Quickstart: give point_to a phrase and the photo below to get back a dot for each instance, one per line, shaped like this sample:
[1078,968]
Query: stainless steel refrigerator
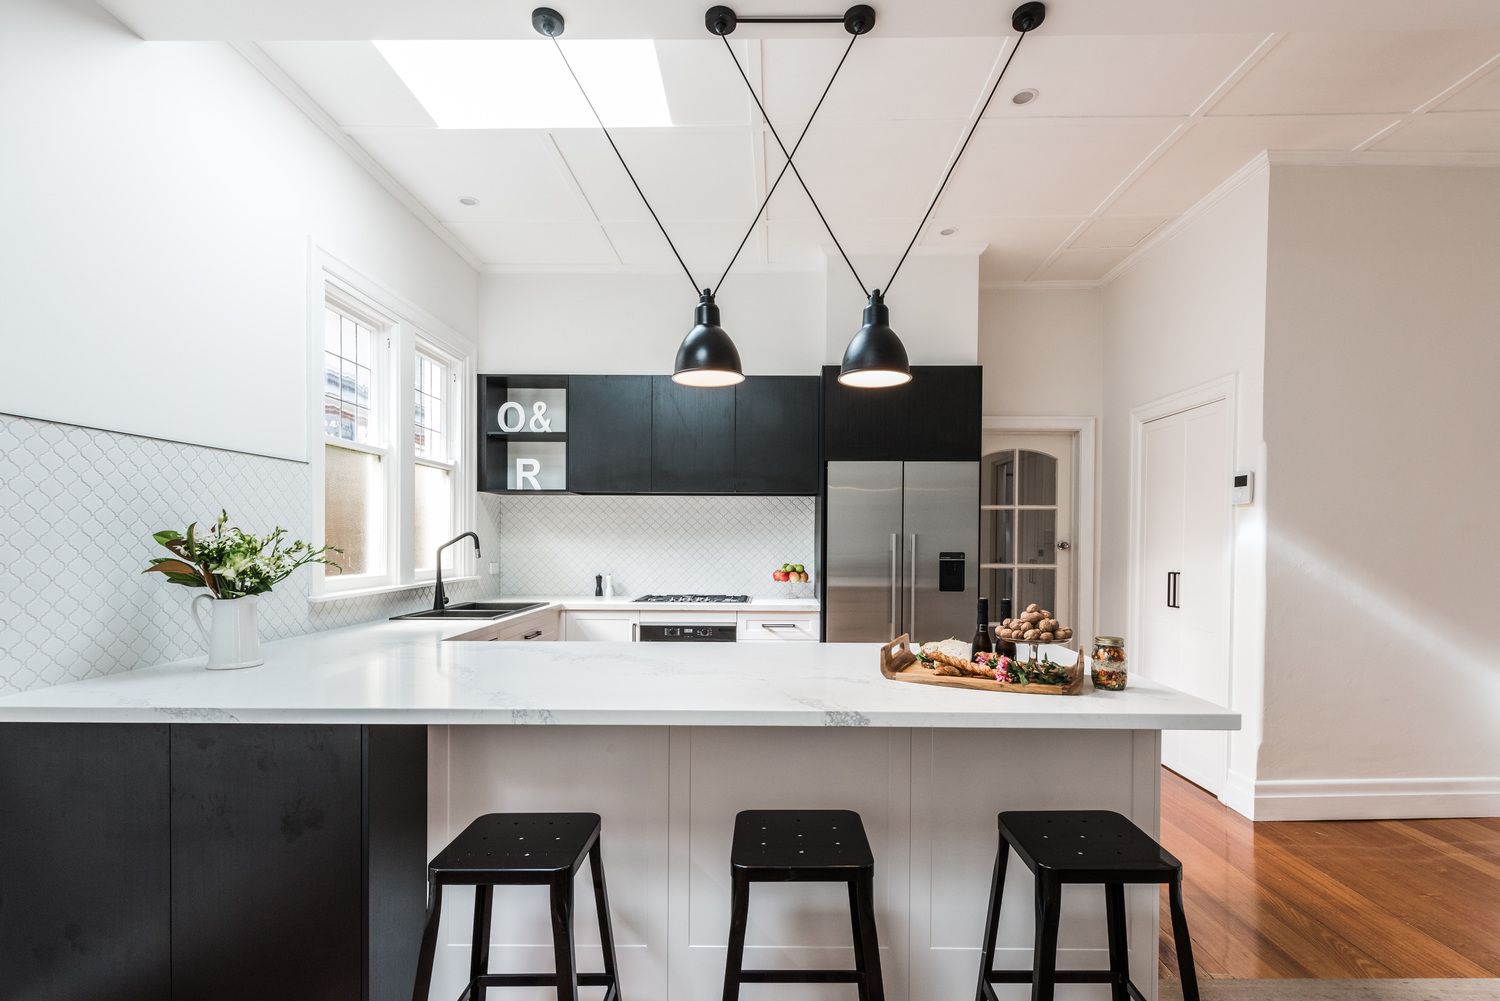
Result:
[902,551]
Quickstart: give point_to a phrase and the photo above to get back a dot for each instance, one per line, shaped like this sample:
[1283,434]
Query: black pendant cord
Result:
[776,183]
[621,158]
[790,163]
[983,108]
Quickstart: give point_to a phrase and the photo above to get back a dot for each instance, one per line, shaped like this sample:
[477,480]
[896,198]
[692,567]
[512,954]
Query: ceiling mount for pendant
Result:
[857,20]
[547,22]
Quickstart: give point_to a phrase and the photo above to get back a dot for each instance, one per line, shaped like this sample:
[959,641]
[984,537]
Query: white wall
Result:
[1042,352]
[159,199]
[934,304]
[633,323]
[1381,409]
[1192,310]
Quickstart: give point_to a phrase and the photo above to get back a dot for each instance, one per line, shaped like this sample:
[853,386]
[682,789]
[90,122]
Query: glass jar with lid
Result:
[1107,665]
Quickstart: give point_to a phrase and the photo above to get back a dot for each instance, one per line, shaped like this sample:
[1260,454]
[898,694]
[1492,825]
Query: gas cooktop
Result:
[695,599]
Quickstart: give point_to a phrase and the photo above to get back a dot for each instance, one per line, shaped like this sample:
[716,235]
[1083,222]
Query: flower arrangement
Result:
[230,562]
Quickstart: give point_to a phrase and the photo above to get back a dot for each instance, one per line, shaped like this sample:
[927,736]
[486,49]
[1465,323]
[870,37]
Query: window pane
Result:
[1038,478]
[998,587]
[1000,478]
[998,545]
[431,413]
[1037,536]
[1039,586]
[433,515]
[353,510]
[349,379]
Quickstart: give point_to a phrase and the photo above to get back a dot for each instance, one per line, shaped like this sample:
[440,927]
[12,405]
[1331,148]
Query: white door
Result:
[1183,580]
[1026,523]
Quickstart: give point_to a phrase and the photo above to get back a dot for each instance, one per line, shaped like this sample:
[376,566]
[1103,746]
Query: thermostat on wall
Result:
[1244,488]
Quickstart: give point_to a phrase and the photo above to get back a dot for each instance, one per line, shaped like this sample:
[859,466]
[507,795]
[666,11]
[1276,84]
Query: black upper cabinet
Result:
[776,436]
[936,416]
[609,434]
[692,438]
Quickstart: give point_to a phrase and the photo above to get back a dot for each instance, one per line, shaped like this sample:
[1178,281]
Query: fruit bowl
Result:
[791,580]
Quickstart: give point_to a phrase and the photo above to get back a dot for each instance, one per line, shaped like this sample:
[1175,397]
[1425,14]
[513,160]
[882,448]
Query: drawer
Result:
[771,627]
[535,627]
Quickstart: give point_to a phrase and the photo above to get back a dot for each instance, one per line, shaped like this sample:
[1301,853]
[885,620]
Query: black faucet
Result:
[439,597]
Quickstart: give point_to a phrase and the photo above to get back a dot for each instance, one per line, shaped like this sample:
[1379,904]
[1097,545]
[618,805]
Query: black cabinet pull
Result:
[532,635]
[1173,577]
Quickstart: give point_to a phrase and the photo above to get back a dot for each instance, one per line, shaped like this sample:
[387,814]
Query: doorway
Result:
[1027,519]
[1182,579]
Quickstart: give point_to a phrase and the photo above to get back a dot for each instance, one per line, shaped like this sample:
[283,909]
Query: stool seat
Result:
[521,849]
[784,845]
[508,848]
[1087,846]
[1063,847]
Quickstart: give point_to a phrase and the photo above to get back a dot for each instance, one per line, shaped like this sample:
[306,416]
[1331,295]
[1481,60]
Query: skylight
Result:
[524,85]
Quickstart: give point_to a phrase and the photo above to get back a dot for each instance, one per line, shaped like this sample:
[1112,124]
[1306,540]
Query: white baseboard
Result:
[1368,799]
[1239,793]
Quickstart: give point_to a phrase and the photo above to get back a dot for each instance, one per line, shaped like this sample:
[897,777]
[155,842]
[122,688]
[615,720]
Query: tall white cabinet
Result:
[1184,570]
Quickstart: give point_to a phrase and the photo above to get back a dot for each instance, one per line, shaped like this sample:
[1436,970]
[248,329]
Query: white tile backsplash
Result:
[716,545]
[77,509]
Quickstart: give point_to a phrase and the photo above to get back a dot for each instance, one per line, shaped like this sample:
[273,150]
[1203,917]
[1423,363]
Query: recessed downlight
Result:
[1024,96]
[947,231]
[468,200]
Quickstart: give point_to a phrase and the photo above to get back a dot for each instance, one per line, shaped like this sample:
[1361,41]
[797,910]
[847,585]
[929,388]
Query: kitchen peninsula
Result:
[247,826]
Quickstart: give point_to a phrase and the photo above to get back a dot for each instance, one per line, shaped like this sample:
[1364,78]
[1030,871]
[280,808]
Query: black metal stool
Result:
[815,846]
[1082,846]
[528,849]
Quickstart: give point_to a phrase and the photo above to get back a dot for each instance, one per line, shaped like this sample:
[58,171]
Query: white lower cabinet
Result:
[774,627]
[607,627]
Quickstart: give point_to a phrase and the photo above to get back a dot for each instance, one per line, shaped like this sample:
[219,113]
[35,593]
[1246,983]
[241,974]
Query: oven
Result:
[688,632]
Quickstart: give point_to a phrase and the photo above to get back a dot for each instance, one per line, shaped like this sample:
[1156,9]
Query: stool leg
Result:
[874,986]
[734,959]
[1044,960]
[425,956]
[1119,950]
[606,930]
[1185,968]
[992,921]
[859,940]
[479,949]
[562,938]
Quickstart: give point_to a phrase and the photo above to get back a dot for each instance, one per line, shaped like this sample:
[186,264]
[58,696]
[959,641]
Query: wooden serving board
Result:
[898,663]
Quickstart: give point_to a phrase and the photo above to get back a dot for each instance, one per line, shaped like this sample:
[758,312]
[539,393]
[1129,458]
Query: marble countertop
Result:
[410,672]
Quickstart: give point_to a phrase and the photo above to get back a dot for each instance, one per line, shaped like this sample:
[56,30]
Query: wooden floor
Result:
[1332,899]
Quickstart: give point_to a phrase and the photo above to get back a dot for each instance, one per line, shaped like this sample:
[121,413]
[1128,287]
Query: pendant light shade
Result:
[875,357]
[707,356]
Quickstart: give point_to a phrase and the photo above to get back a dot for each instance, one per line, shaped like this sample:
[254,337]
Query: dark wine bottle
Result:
[982,642]
[1007,648]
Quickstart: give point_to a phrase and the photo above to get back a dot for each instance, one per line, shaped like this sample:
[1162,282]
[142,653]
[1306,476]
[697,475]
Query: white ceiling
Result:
[1139,117]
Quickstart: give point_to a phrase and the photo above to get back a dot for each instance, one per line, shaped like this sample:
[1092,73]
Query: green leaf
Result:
[168,536]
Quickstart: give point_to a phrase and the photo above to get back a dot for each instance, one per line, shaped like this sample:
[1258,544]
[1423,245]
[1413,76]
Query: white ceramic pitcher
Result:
[232,631]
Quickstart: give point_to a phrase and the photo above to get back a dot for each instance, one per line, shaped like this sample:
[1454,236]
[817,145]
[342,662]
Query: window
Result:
[435,384]
[395,483]
[1018,531]
[356,459]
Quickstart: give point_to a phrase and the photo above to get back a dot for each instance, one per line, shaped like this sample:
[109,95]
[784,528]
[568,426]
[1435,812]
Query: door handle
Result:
[1173,577]
[911,620]
[895,581]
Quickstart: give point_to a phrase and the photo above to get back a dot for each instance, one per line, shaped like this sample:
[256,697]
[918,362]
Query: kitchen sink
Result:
[473,610]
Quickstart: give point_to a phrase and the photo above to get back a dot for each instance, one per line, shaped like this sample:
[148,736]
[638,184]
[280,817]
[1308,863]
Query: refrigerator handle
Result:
[911,620]
[895,582]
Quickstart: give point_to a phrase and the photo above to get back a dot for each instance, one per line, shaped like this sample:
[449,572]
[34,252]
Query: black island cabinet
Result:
[162,861]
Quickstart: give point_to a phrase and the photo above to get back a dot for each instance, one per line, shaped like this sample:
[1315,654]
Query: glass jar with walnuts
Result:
[1107,664]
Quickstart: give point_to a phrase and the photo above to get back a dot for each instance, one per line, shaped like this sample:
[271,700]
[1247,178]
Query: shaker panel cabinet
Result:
[692,439]
[609,434]
[776,436]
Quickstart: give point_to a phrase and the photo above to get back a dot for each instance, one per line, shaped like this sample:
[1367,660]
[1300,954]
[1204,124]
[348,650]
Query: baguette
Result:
[963,667]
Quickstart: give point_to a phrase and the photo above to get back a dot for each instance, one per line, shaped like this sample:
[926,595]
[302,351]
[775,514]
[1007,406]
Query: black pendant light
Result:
[707,356]
[875,357]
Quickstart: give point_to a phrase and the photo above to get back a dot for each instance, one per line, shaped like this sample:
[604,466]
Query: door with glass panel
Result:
[1026,523]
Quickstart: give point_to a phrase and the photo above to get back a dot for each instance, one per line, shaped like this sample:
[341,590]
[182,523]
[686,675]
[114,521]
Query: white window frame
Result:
[407,329]
[453,404]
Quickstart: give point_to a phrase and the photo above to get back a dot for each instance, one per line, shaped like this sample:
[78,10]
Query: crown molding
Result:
[1379,158]
[1059,285]
[272,71]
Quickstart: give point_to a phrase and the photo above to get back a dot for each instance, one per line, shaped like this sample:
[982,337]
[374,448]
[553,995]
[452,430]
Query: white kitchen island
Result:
[667,742]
